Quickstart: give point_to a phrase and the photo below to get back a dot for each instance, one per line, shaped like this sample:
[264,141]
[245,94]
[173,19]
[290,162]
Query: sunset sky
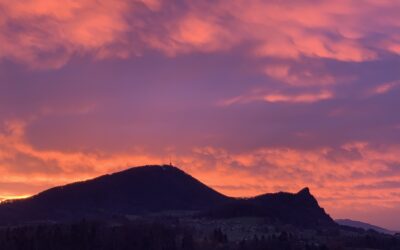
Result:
[247,96]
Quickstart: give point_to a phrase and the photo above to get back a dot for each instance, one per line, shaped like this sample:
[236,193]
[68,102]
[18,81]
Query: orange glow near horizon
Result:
[16,197]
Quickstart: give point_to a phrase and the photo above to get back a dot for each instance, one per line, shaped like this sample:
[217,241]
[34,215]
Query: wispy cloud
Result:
[303,97]
[383,88]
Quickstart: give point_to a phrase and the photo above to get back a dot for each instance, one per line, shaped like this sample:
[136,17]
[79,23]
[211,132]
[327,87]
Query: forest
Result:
[140,235]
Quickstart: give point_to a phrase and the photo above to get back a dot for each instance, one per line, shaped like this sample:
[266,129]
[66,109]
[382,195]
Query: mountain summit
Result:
[152,189]
[136,190]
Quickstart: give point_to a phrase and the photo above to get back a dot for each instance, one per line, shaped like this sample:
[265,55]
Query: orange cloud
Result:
[300,98]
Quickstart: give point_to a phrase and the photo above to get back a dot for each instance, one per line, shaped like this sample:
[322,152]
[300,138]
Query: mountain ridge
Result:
[155,188]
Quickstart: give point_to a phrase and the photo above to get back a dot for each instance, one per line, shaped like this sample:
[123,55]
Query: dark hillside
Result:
[133,191]
[151,189]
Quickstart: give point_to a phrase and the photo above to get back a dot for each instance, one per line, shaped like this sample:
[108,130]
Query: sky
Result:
[247,96]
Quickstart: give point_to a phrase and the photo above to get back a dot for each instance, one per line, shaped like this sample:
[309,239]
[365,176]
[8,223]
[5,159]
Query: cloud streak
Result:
[279,98]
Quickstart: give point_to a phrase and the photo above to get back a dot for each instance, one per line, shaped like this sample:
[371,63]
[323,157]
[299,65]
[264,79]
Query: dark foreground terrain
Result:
[187,234]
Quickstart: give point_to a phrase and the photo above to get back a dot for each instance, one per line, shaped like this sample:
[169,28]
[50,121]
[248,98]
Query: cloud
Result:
[297,44]
[300,98]
[20,163]
[47,33]
[383,88]
[304,74]
[193,33]
[306,97]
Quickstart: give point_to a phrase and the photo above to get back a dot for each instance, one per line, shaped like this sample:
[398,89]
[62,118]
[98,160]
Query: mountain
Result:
[149,189]
[300,209]
[363,225]
[134,191]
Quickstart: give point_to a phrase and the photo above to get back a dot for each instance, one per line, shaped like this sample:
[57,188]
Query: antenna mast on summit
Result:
[170,162]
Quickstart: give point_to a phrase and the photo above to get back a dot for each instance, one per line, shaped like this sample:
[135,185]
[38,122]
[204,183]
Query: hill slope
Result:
[148,189]
[133,191]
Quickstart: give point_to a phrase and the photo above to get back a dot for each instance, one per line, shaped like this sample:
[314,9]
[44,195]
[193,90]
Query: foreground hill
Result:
[151,189]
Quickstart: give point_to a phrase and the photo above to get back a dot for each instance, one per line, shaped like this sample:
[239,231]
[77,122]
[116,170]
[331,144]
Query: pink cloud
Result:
[279,97]
[306,75]
[59,29]
[383,88]
[47,33]
[299,98]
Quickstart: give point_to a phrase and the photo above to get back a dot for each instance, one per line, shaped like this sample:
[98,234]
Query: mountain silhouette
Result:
[133,191]
[152,189]
[299,209]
